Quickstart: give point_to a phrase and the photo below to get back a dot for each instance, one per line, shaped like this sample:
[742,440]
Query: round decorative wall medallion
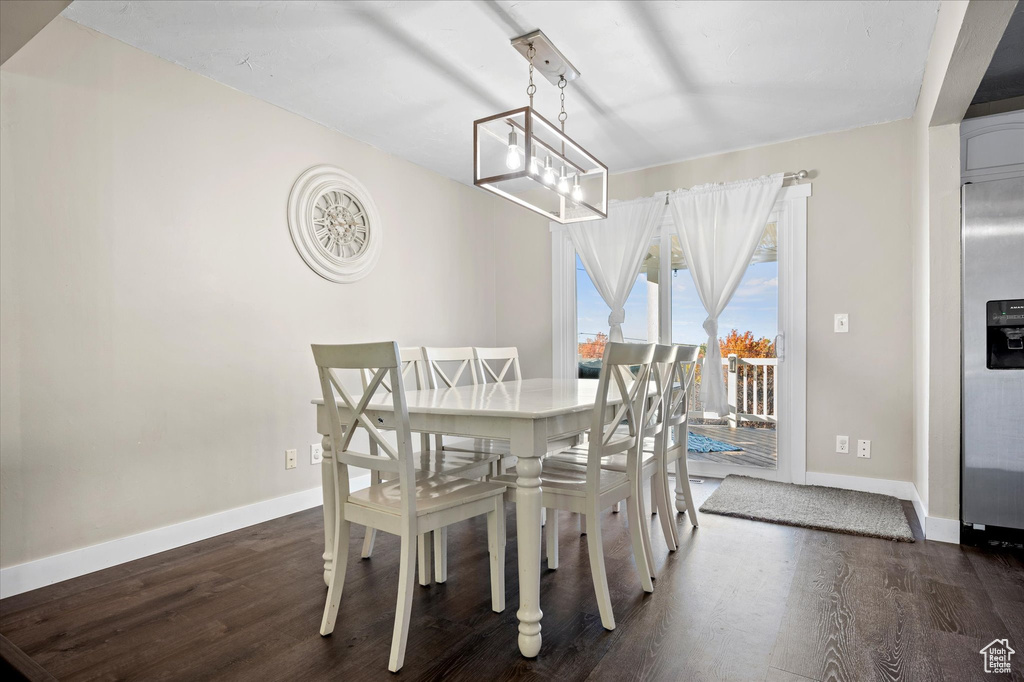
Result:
[334,224]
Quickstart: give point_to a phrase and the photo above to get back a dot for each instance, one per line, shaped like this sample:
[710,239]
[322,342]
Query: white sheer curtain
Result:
[719,228]
[612,251]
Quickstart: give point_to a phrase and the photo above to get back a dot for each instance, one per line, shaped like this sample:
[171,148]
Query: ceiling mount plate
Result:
[548,60]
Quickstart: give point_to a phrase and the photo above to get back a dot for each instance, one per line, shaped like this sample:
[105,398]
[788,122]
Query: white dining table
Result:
[534,415]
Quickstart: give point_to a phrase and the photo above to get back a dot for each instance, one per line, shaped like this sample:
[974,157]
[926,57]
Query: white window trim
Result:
[791,207]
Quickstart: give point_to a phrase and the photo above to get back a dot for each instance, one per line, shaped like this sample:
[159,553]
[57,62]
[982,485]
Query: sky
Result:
[754,307]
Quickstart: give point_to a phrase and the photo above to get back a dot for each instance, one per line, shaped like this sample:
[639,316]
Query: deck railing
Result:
[751,387]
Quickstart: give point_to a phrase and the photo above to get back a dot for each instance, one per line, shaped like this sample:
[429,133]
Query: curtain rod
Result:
[797,175]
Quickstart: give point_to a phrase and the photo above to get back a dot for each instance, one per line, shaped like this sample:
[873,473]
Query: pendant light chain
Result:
[561,87]
[531,88]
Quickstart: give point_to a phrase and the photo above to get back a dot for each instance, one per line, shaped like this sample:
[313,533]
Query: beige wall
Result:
[156,319]
[858,262]
[522,286]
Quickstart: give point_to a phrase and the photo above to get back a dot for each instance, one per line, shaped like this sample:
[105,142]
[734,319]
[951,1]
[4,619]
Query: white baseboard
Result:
[903,490]
[936,528]
[942,530]
[53,569]
[922,511]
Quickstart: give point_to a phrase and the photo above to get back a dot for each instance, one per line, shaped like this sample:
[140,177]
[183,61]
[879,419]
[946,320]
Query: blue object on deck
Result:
[698,443]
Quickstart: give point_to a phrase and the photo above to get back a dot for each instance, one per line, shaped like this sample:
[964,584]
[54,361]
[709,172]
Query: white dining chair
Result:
[677,425]
[495,366]
[652,464]
[593,489]
[417,503]
[448,368]
[433,547]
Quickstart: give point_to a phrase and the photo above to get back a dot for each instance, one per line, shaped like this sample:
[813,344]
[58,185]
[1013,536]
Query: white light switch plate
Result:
[864,449]
[843,444]
[290,459]
[842,323]
[316,453]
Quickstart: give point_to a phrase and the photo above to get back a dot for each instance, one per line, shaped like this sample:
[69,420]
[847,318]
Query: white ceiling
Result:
[661,81]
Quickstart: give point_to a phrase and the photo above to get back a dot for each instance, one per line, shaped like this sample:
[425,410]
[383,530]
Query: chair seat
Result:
[569,480]
[578,457]
[648,441]
[452,463]
[500,448]
[434,493]
[617,442]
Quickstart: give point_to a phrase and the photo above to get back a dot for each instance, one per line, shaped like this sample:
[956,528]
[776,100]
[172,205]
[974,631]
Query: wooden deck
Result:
[759,446]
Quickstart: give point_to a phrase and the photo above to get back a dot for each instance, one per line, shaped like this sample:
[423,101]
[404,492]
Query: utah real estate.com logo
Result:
[997,655]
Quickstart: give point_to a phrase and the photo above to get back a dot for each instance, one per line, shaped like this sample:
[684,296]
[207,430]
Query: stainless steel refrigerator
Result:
[992,483]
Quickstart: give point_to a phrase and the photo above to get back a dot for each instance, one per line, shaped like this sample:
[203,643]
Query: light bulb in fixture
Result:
[549,172]
[563,182]
[577,191]
[512,160]
[534,166]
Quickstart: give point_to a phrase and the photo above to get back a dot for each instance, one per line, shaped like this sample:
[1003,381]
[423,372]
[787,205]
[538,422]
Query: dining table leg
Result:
[528,443]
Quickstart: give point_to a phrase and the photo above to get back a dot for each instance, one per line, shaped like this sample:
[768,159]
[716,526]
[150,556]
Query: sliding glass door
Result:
[761,339]
[745,436]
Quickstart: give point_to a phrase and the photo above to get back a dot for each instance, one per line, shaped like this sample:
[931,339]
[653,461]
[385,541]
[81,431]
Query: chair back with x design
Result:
[348,412]
[450,367]
[415,376]
[662,371]
[626,367]
[681,385]
[413,367]
[498,364]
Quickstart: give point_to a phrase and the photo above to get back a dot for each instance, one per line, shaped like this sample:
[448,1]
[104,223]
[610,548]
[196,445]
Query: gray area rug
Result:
[811,506]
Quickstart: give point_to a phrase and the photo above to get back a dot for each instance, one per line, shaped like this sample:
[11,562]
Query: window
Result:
[592,315]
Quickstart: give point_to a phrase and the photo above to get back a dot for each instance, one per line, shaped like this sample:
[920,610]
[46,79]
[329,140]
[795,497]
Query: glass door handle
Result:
[780,347]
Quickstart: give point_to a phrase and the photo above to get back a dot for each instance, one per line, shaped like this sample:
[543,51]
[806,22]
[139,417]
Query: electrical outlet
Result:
[290,459]
[864,449]
[843,444]
[316,453]
[842,323]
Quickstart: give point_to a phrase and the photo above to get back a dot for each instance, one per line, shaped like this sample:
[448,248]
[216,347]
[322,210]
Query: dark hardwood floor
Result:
[740,600]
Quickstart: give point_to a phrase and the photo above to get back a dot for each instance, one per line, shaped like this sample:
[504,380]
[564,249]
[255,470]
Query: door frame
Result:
[790,214]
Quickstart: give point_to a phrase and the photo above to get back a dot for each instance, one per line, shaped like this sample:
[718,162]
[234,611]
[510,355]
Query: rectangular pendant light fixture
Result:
[523,157]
